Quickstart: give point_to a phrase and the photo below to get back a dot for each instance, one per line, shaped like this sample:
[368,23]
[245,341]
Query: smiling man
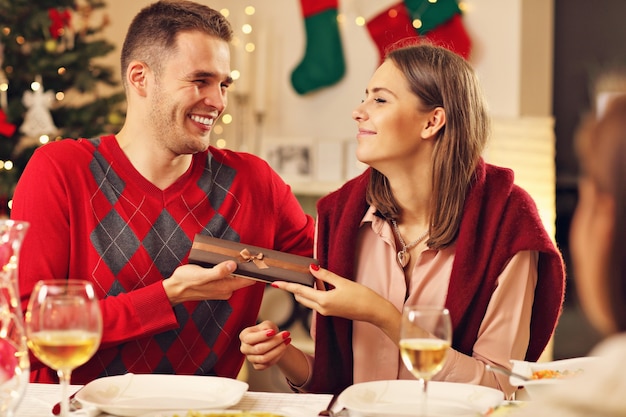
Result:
[122,210]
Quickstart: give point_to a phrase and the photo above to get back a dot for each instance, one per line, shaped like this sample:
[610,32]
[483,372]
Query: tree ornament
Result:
[6,129]
[59,21]
[323,63]
[38,120]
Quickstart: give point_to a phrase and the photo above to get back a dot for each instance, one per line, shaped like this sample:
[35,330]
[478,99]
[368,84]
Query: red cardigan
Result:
[499,220]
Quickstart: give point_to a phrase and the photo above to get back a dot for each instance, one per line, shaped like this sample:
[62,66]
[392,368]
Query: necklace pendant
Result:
[403,258]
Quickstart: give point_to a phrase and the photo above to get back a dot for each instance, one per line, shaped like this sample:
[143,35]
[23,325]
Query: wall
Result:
[503,33]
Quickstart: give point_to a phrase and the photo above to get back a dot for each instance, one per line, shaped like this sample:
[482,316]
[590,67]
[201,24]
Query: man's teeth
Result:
[204,120]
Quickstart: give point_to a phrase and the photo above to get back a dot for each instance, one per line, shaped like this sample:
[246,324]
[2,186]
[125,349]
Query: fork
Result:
[328,411]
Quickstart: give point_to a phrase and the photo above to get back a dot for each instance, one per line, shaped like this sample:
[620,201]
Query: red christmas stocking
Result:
[323,63]
[441,24]
[390,23]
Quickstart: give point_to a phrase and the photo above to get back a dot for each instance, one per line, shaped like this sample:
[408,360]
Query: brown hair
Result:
[601,150]
[441,78]
[152,33]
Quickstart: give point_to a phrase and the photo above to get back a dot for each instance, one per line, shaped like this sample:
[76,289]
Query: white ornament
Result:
[38,120]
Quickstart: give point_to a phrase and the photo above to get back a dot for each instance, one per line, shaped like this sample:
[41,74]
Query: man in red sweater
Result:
[122,210]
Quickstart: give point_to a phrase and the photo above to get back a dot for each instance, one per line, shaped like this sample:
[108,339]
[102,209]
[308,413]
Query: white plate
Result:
[213,413]
[576,366]
[136,394]
[403,398]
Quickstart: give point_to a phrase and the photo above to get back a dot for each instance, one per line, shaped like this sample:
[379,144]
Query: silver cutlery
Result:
[328,411]
[507,372]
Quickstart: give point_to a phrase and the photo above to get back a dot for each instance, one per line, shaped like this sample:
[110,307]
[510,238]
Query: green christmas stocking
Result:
[323,63]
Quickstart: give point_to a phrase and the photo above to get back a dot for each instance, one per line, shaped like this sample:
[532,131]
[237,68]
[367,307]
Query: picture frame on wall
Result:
[291,158]
[329,160]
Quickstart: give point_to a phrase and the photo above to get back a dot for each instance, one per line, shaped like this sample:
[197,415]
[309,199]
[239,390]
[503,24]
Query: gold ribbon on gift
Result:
[246,256]
[237,257]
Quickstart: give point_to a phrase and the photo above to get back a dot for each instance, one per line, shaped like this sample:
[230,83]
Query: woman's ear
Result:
[137,77]
[434,123]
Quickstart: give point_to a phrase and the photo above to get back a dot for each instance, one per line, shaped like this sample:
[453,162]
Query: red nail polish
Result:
[287,341]
[315,267]
[270,333]
[274,285]
[286,335]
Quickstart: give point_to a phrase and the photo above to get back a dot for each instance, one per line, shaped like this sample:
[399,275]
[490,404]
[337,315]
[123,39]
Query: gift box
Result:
[253,262]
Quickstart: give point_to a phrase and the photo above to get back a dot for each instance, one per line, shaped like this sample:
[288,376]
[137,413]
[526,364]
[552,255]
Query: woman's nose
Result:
[358,113]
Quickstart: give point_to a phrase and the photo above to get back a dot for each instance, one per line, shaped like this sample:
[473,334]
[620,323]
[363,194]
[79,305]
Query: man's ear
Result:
[137,77]
[435,122]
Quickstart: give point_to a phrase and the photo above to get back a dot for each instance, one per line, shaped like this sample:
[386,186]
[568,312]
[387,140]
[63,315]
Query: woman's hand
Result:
[264,345]
[346,299]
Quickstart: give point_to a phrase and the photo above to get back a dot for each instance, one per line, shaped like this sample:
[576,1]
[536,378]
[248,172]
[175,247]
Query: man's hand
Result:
[193,283]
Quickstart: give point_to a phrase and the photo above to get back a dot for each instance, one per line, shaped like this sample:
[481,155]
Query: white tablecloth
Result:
[40,398]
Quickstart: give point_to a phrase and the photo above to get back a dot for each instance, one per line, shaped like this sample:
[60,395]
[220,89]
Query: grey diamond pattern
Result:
[115,241]
[217,311]
[166,244]
[110,184]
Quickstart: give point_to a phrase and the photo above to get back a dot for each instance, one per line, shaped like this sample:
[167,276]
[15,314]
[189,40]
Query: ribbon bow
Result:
[6,129]
[59,19]
[246,256]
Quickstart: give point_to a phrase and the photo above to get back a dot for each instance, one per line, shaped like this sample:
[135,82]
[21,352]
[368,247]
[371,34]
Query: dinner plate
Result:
[403,398]
[555,372]
[211,413]
[136,394]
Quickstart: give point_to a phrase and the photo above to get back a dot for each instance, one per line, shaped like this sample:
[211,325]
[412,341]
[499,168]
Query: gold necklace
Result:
[403,255]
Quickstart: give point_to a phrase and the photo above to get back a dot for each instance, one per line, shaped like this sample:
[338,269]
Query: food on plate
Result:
[504,409]
[555,374]
[192,413]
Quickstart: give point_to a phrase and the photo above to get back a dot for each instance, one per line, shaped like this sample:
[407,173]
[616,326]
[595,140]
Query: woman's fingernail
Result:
[315,267]
[286,335]
[270,333]
[287,341]
[274,285]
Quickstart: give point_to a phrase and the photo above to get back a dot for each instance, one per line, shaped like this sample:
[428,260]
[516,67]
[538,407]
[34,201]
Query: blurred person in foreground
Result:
[122,210]
[428,223]
[597,236]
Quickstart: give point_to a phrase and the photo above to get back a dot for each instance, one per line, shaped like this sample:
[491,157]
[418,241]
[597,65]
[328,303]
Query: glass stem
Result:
[424,397]
[64,380]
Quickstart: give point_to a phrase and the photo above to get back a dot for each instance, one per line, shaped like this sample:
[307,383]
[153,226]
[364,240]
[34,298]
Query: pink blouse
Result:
[503,335]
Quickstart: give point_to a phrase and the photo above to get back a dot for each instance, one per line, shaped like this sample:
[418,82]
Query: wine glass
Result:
[63,327]
[425,336]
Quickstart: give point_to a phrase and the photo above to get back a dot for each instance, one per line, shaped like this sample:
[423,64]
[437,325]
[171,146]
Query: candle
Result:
[262,55]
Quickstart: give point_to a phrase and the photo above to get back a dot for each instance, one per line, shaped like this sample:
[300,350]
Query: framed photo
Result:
[329,158]
[291,158]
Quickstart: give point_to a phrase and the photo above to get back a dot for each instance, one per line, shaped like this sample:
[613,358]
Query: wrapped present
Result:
[253,262]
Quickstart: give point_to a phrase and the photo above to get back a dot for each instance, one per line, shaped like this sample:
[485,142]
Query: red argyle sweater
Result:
[499,220]
[93,216]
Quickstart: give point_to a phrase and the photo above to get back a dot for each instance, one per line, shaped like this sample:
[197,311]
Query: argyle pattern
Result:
[130,248]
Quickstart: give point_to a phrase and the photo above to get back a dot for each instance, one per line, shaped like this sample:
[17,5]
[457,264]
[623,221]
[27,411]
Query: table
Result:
[40,398]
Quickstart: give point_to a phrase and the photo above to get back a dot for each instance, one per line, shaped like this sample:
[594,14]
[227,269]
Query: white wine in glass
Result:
[425,336]
[63,327]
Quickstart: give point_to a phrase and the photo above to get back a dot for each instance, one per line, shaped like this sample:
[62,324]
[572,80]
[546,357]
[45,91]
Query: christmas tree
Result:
[51,85]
